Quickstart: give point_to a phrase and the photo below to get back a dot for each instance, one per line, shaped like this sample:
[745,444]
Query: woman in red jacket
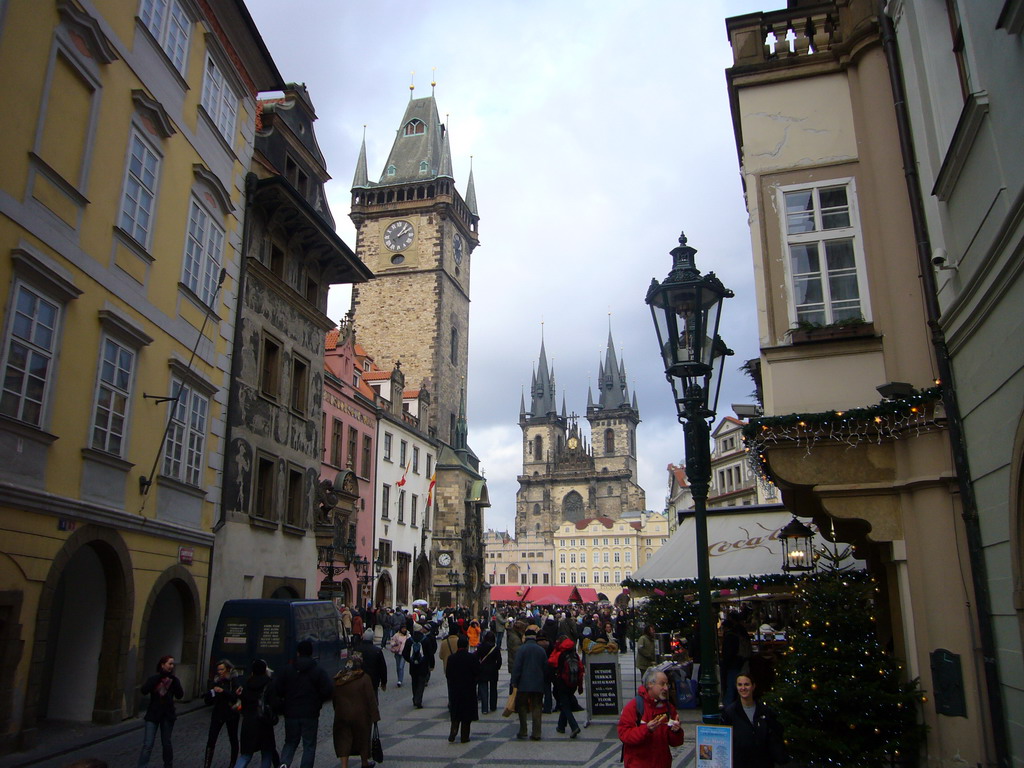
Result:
[647,735]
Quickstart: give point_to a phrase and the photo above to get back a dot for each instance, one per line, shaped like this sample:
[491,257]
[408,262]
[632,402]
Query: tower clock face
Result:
[457,248]
[573,442]
[398,236]
[444,559]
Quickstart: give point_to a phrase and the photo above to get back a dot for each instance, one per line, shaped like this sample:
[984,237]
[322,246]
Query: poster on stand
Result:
[601,686]
[714,746]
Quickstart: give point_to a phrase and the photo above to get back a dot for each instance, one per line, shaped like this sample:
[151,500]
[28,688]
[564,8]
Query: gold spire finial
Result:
[412,83]
[433,79]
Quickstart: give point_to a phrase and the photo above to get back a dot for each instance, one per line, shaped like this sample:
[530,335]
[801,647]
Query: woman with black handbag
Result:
[259,704]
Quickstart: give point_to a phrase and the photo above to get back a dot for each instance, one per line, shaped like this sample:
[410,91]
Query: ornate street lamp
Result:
[797,546]
[687,309]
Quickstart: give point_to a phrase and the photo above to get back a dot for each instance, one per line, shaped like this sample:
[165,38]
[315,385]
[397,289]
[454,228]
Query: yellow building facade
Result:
[120,226]
[601,552]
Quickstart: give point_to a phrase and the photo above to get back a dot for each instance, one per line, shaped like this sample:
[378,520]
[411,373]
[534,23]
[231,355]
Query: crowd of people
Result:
[542,649]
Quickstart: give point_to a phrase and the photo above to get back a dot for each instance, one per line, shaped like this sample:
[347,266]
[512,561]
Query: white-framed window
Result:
[605,555]
[387,446]
[629,556]
[561,557]
[401,507]
[219,100]
[29,355]
[825,262]
[186,438]
[583,557]
[204,247]
[170,25]
[139,189]
[561,577]
[113,395]
[616,557]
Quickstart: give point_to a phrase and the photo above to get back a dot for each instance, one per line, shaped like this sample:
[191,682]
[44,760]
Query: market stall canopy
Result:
[741,542]
[553,595]
[508,593]
[588,594]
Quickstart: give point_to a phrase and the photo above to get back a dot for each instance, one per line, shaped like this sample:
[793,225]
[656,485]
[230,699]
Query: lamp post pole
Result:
[686,309]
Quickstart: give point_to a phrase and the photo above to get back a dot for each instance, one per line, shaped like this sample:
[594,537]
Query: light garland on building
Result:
[889,420]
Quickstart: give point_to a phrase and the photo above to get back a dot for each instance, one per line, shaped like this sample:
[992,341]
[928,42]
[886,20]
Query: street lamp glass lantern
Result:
[687,308]
[797,546]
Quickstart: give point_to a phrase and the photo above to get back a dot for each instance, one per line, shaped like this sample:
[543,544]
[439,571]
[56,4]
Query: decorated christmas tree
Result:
[840,696]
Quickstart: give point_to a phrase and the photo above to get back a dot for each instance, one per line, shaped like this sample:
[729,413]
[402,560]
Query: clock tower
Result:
[417,234]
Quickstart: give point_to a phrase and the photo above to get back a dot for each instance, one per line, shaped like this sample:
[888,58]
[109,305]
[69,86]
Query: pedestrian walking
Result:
[355,711]
[162,688]
[462,672]
[346,622]
[512,643]
[259,702]
[449,645]
[529,677]
[646,649]
[499,627]
[374,663]
[567,667]
[473,633]
[420,658]
[222,697]
[490,666]
[302,689]
[757,739]
[649,726]
[396,646]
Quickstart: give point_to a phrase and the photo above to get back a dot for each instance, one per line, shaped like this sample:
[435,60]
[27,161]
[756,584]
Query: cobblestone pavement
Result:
[413,737]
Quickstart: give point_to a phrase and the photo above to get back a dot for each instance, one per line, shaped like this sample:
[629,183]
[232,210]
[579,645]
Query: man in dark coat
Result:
[463,672]
[529,677]
[374,662]
[302,688]
[256,733]
[420,658]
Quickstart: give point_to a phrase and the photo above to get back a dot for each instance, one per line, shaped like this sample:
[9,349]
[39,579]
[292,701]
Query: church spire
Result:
[418,153]
[361,178]
[471,191]
[611,382]
[461,437]
[543,388]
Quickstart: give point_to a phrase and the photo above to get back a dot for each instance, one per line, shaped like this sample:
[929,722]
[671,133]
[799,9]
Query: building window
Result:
[367,455]
[413,509]
[353,441]
[170,25]
[110,413]
[572,558]
[605,557]
[825,265]
[203,247]
[501,578]
[609,442]
[414,127]
[533,578]
[629,556]
[561,558]
[572,577]
[538,447]
[28,356]
[415,459]
[270,368]
[384,553]
[546,579]
[219,100]
[618,577]
[561,577]
[401,507]
[139,189]
[430,465]
[403,451]
[263,499]
[616,557]
[336,443]
[385,501]
[392,170]
[186,436]
[583,557]
[300,385]
[296,499]
[454,351]
[387,446]
[424,166]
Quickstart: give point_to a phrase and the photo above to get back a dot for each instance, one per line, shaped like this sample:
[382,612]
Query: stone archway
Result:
[171,624]
[92,556]
[383,592]
[572,507]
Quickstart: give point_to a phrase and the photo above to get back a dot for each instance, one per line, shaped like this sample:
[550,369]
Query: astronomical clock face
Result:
[398,235]
[457,248]
[444,559]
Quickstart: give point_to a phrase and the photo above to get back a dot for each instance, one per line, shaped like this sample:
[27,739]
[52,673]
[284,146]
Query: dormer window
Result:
[424,167]
[392,170]
[415,128]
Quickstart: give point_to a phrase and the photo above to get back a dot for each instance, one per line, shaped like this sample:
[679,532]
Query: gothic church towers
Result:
[564,476]
[417,234]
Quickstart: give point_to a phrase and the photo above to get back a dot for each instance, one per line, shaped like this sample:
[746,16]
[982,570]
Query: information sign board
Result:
[601,685]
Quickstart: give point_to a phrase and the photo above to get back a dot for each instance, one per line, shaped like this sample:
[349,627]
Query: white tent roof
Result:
[741,542]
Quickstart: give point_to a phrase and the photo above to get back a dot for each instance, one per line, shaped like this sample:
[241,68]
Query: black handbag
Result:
[376,748]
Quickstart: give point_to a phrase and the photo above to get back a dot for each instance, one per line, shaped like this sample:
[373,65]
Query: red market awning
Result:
[553,595]
[588,594]
[509,593]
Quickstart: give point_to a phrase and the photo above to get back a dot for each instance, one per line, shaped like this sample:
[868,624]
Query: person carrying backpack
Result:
[649,725]
[258,701]
[568,676]
[419,655]
[303,687]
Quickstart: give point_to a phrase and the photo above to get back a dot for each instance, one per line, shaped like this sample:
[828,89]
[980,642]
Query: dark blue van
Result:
[270,630]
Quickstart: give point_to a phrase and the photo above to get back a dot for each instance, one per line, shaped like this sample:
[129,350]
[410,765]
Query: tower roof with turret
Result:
[542,388]
[421,151]
[613,393]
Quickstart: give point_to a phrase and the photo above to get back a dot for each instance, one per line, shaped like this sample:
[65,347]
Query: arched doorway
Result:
[170,627]
[284,592]
[82,631]
[346,592]
[383,592]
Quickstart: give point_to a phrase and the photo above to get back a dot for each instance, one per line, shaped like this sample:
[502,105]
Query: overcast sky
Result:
[599,131]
